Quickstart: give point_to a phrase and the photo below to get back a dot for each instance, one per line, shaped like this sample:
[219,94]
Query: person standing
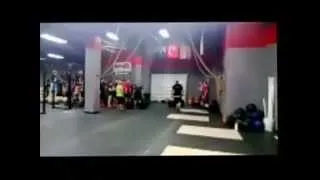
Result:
[120,95]
[126,85]
[177,91]
[110,92]
[204,98]
[102,92]
[137,96]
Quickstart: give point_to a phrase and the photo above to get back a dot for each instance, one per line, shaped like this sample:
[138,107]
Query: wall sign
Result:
[122,67]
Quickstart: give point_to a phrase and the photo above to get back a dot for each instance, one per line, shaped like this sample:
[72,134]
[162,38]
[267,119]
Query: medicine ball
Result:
[251,108]
[256,115]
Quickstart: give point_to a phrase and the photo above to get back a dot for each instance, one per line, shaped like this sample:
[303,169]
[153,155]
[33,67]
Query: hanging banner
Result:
[122,67]
[185,52]
[173,52]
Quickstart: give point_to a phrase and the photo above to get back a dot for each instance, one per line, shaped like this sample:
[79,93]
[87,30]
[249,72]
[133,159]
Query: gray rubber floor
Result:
[134,132]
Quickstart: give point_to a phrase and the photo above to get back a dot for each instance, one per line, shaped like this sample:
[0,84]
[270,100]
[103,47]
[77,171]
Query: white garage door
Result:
[161,85]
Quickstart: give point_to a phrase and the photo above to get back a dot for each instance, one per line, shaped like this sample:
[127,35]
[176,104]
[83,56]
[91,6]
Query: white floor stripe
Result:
[188,117]
[209,132]
[184,151]
[199,111]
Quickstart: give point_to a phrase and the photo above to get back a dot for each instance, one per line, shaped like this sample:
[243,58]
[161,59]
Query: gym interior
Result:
[158,89]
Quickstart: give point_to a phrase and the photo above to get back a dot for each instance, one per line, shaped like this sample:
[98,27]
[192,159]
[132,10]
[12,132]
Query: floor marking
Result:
[209,132]
[163,133]
[188,117]
[185,151]
[198,111]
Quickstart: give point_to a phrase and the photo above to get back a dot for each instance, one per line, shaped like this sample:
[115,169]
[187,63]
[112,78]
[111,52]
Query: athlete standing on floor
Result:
[120,95]
[177,91]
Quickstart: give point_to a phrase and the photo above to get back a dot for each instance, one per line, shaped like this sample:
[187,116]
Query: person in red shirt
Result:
[127,89]
[204,88]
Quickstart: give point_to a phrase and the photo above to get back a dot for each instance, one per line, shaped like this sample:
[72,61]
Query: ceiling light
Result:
[164,33]
[55,56]
[112,36]
[53,39]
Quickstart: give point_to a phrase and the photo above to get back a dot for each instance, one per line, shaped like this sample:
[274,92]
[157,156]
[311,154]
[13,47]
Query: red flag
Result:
[173,52]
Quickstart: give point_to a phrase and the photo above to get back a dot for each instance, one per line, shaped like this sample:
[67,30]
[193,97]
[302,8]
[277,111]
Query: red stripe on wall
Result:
[250,35]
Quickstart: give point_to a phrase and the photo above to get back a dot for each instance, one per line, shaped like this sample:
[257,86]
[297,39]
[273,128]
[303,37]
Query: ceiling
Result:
[79,34]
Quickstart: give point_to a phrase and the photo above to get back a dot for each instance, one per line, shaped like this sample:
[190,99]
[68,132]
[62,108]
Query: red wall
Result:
[250,34]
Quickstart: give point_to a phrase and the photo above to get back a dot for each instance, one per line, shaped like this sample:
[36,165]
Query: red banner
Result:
[173,52]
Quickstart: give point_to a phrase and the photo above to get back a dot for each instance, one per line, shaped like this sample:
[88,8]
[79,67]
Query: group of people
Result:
[65,86]
[121,93]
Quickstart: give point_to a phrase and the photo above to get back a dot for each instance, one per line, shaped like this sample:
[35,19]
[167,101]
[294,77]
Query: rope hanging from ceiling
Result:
[198,59]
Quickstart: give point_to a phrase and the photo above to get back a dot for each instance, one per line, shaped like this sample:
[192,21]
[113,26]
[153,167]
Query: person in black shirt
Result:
[137,95]
[102,92]
[177,93]
[111,93]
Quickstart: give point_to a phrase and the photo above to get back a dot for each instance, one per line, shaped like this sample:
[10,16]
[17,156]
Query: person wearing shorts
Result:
[137,95]
[120,95]
[177,93]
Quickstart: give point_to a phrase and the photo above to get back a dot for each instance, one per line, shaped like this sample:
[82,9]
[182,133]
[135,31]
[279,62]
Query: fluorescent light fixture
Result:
[42,59]
[112,36]
[55,56]
[164,33]
[53,39]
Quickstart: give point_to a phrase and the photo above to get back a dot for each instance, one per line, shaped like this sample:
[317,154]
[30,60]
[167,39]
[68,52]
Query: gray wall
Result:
[246,73]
